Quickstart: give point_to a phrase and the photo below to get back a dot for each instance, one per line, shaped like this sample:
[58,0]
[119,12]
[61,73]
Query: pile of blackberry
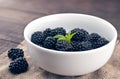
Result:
[19,63]
[75,40]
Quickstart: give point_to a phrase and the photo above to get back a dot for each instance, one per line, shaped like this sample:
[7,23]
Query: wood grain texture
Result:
[16,14]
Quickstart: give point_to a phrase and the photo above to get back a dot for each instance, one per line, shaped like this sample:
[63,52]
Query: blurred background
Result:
[16,14]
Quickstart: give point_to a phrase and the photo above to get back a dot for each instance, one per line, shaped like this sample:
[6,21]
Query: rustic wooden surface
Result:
[16,14]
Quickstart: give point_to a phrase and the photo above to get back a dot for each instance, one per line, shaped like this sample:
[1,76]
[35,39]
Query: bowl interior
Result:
[70,21]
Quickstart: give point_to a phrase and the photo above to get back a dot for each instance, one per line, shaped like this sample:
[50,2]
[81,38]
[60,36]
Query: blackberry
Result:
[63,46]
[18,66]
[37,37]
[75,45]
[100,42]
[81,34]
[58,31]
[94,37]
[14,53]
[85,46]
[47,32]
[49,43]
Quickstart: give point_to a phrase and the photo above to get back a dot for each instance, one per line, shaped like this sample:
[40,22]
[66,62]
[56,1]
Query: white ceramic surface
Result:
[71,63]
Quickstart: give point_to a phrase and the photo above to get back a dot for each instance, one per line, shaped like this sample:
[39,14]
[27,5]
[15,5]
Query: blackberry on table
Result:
[14,53]
[94,37]
[85,46]
[63,46]
[18,66]
[81,34]
[58,31]
[49,43]
[37,37]
[100,42]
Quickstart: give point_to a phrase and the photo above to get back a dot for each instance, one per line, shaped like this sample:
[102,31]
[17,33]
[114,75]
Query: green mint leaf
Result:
[73,34]
[58,36]
[67,37]
[62,38]
[70,37]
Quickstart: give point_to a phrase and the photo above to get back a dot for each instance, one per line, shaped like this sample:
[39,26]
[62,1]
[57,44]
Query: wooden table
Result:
[16,14]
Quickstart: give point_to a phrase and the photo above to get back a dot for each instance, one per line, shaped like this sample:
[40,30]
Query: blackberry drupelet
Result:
[81,34]
[75,30]
[100,42]
[75,45]
[49,43]
[14,53]
[37,37]
[63,46]
[18,66]
[47,32]
[85,45]
[93,37]
[58,31]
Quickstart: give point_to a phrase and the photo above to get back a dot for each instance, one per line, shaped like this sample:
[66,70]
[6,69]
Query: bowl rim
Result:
[69,52]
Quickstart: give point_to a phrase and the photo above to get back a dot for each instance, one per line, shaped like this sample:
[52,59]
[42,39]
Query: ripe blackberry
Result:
[63,46]
[85,45]
[37,37]
[49,43]
[94,37]
[18,66]
[47,32]
[100,42]
[75,45]
[58,31]
[81,34]
[14,53]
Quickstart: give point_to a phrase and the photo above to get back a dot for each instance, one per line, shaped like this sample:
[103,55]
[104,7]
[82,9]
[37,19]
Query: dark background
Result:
[16,14]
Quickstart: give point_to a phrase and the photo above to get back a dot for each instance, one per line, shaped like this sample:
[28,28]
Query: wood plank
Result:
[10,34]
[53,6]
[36,6]
[17,16]
[11,31]
[5,45]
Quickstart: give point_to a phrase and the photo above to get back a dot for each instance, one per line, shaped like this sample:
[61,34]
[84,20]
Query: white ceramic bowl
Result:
[71,63]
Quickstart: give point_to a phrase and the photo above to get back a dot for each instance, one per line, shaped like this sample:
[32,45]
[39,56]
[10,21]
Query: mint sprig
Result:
[67,37]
